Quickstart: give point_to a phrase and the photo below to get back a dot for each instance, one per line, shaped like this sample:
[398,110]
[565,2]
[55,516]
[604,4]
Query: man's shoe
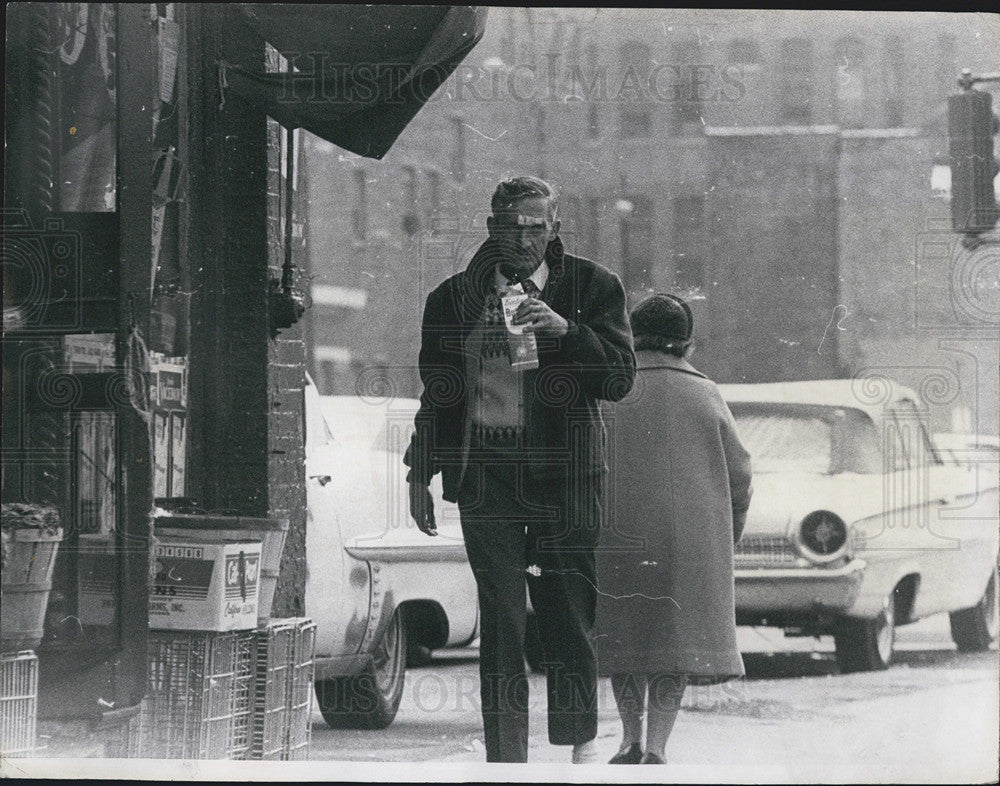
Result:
[651,758]
[585,753]
[632,755]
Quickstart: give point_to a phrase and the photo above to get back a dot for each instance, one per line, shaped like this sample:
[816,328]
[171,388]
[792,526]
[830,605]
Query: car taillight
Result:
[823,536]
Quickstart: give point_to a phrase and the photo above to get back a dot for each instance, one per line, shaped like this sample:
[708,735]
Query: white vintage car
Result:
[376,586]
[981,450]
[857,525]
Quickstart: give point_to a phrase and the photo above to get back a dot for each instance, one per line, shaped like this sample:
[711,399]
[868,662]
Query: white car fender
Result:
[879,579]
[338,587]
[421,568]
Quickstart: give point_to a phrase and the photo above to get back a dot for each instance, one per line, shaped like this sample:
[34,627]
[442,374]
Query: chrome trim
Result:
[433,552]
[759,550]
[803,574]
[812,556]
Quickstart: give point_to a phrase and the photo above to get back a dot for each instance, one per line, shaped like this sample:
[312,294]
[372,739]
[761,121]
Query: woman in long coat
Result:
[678,497]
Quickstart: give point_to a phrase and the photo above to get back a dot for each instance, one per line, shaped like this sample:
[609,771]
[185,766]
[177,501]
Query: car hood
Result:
[782,499]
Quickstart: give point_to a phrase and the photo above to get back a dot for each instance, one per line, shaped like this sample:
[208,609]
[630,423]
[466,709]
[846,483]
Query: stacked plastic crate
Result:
[283,697]
[301,692]
[199,692]
[201,652]
[225,681]
[18,703]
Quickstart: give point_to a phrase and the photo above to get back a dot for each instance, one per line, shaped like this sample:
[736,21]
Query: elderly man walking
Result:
[516,352]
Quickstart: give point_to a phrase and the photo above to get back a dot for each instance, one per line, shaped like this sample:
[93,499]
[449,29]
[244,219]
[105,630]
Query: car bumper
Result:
[798,589]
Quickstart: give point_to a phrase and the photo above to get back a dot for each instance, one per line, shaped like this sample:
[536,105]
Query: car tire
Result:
[866,644]
[534,655]
[368,700]
[974,629]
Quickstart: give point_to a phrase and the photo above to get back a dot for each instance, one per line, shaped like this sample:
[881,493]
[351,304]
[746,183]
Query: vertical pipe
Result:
[287,271]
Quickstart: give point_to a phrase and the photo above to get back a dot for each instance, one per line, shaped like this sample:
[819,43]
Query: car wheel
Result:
[417,654]
[368,700]
[973,629]
[534,655]
[866,644]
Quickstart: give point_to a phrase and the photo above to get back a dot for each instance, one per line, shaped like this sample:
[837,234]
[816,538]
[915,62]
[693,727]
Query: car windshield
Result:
[788,437]
[786,442]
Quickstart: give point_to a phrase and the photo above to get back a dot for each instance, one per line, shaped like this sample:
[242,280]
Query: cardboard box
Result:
[205,586]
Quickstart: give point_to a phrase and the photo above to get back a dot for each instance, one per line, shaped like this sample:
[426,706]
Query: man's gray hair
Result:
[523,187]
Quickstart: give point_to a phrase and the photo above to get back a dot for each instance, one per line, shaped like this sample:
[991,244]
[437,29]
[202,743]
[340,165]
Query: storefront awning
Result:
[361,71]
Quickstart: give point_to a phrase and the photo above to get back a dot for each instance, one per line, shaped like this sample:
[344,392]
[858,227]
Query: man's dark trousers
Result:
[515,527]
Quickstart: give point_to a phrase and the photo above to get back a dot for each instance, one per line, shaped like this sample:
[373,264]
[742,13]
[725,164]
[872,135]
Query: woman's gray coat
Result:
[677,498]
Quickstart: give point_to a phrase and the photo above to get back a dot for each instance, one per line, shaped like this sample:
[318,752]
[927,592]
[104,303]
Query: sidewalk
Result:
[946,734]
[904,725]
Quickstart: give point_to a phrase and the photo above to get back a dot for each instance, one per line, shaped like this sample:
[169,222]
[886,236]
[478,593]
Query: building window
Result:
[593,102]
[592,227]
[745,53]
[570,216]
[689,242]
[895,56]
[573,57]
[540,125]
[686,107]
[850,64]
[948,68]
[87,75]
[636,110]
[637,243]
[796,81]
[334,367]
[359,216]
[411,218]
[433,204]
[458,151]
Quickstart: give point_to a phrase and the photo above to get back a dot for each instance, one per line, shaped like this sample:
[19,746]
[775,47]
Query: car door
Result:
[968,505]
[949,541]
[338,587]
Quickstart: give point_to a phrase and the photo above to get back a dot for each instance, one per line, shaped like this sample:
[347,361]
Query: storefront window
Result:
[86,94]
[60,444]
[170,297]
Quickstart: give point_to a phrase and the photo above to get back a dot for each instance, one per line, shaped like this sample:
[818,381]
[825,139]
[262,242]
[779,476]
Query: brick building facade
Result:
[148,364]
[774,166]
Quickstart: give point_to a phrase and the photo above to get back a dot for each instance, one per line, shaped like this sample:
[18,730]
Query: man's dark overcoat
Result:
[594,360]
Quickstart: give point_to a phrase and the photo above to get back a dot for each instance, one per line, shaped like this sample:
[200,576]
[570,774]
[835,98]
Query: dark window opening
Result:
[637,244]
[795,92]
[689,242]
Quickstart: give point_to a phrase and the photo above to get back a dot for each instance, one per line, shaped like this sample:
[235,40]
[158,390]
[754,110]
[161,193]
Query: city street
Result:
[931,717]
[660,319]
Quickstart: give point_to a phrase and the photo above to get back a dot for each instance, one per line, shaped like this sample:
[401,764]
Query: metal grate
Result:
[275,640]
[757,551]
[283,701]
[18,704]
[199,695]
[301,692]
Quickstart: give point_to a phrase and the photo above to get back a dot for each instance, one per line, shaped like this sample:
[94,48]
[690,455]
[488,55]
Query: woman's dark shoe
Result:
[651,758]
[631,756]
